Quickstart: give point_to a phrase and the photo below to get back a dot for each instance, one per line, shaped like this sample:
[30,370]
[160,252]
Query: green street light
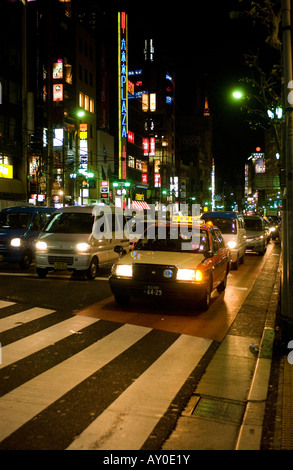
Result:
[80,113]
[238,94]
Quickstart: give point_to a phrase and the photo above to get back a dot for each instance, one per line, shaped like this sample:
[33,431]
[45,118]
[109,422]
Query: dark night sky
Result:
[203,40]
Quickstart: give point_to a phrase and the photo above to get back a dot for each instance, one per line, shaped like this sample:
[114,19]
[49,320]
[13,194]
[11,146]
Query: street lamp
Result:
[238,94]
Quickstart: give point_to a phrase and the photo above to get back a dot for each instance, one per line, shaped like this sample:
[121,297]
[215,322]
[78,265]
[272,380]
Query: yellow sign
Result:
[6,171]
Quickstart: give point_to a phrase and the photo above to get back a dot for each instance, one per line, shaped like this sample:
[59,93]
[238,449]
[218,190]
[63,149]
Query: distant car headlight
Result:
[272,229]
[16,242]
[41,246]
[123,270]
[232,244]
[82,247]
[259,238]
[189,275]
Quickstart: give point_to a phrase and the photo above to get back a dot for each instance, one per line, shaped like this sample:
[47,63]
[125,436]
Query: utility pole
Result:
[287,236]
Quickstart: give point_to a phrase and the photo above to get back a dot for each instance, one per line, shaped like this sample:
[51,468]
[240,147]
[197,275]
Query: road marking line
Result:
[129,420]
[26,316]
[5,303]
[22,404]
[33,343]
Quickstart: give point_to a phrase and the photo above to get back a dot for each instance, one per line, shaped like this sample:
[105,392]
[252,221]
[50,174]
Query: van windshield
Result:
[253,224]
[70,223]
[225,225]
[14,220]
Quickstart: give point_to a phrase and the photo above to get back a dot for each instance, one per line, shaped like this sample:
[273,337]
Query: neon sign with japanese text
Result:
[122,91]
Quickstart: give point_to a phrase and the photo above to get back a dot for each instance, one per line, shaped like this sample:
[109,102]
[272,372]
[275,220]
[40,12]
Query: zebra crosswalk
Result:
[85,383]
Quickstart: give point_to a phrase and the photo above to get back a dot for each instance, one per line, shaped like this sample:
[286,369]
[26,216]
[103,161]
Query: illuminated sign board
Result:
[6,171]
[122,91]
[152,146]
[58,92]
[83,146]
[145,146]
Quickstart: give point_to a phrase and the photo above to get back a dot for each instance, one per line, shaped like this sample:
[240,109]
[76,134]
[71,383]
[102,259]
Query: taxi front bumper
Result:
[171,289]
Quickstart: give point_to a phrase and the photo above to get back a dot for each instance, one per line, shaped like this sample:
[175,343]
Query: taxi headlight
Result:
[41,246]
[82,247]
[189,275]
[123,270]
[16,242]
[232,244]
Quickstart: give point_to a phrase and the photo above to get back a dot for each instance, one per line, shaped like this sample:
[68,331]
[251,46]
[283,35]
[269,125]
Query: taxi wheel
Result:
[221,287]
[92,270]
[26,260]
[42,272]
[204,303]
[122,300]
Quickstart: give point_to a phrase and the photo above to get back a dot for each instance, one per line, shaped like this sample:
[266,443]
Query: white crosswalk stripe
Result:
[16,351]
[124,410]
[23,317]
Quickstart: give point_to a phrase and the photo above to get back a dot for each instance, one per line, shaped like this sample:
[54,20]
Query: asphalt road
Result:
[79,372]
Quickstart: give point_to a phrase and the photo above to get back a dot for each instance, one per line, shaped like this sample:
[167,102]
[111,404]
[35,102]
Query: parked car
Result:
[160,267]
[80,239]
[231,225]
[19,229]
[255,234]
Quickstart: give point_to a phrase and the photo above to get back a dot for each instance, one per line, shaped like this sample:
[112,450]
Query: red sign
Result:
[153,146]
[145,146]
[131,137]
[144,178]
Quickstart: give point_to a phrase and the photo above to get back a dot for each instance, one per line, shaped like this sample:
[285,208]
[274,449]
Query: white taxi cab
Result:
[171,263]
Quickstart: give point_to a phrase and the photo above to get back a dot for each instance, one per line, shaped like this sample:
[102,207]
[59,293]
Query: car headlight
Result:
[41,246]
[272,229]
[189,275]
[232,244]
[259,238]
[82,247]
[16,242]
[123,270]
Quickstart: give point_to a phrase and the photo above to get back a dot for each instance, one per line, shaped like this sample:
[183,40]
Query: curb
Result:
[250,433]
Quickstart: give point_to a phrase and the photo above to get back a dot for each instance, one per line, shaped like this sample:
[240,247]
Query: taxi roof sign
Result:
[187,219]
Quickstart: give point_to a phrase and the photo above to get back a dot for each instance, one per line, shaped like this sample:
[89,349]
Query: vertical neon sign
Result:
[122,91]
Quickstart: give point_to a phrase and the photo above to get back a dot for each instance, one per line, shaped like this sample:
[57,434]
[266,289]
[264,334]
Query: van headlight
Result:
[82,247]
[16,242]
[123,270]
[232,244]
[189,275]
[41,246]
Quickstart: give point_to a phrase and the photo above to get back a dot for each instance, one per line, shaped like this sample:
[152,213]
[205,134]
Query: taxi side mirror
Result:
[119,249]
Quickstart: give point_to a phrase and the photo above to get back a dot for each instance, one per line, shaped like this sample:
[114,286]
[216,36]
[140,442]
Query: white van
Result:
[232,226]
[81,239]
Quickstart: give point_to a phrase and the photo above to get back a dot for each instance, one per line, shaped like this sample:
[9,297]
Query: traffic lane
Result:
[182,317]
[58,291]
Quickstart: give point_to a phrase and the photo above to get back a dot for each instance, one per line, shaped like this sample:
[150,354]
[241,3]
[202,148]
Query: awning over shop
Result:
[140,205]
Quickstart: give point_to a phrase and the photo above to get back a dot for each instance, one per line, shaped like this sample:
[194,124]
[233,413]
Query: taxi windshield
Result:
[70,223]
[225,225]
[14,220]
[254,225]
[173,240]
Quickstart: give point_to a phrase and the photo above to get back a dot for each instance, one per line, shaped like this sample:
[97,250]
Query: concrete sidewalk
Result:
[244,399]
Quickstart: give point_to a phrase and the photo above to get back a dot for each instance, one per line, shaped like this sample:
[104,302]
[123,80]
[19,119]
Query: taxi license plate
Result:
[59,266]
[153,290]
